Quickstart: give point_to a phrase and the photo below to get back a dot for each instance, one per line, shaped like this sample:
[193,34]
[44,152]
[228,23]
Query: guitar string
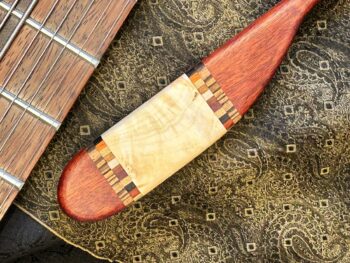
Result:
[49,14]
[10,191]
[115,22]
[108,33]
[14,69]
[88,37]
[85,42]
[35,65]
[8,14]
[49,71]
[99,20]
[75,59]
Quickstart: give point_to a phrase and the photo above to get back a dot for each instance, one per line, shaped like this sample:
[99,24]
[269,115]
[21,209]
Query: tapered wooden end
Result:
[182,121]
[83,193]
[247,62]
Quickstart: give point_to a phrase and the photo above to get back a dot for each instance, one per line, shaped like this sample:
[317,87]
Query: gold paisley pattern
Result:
[274,189]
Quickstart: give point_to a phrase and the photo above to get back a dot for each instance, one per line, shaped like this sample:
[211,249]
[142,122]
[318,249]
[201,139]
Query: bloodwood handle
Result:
[247,62]
[180,122]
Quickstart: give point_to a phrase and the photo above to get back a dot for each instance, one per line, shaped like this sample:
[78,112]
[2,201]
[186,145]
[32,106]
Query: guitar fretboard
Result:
[48,50]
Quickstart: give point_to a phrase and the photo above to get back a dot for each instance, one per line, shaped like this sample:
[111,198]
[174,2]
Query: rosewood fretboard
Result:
[48,50]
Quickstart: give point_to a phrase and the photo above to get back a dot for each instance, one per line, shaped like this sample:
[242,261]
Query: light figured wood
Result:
[140,152]
[164,134]
[178,124]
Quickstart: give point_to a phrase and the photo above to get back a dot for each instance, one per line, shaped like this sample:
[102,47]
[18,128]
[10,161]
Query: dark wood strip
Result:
[58,90]
[59,74]
[7,192]
[22,149]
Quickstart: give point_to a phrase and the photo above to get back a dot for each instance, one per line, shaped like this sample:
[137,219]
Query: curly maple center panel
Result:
[275,188]
[164,134]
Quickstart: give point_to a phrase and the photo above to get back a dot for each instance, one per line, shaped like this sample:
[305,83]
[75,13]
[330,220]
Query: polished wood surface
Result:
[246,63]
[177,125]
[46,67]
[152,143]
[91,196]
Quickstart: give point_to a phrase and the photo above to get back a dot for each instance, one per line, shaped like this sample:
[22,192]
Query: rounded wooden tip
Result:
[83,193]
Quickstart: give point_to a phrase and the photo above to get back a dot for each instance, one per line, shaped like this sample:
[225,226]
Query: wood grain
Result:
[91,196]
[94,33]
[7,192]
[246,63]
[40,88]
[151,144]
[184,119]
[21,150]
[49,77]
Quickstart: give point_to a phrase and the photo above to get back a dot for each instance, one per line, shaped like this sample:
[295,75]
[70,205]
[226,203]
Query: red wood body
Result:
[242,67]
[92,196]
[247,62]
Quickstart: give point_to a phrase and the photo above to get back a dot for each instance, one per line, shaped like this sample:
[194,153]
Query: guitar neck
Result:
[48,51]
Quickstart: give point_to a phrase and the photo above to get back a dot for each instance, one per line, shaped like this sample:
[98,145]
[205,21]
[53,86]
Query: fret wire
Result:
[85,42]
[25,105]
[8,14]
[127,3]
[74,30]
[36,25]
[57,58]
[17,29]
[60,54]
[20,118]
[69,68]
[118,18]
[10,179]
[12,187]
[14,69]
[51,68]
[34,67]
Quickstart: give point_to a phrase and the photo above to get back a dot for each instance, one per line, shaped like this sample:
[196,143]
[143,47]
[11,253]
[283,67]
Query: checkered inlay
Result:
[114,173]
[214,96]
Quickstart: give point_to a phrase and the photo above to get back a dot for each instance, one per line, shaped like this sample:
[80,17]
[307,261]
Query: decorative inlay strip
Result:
[214,96]
[12,180]
[114,173]
[31,22]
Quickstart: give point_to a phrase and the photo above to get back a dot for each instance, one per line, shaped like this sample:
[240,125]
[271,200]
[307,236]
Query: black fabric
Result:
[20,236]
[23,240]
[249,198]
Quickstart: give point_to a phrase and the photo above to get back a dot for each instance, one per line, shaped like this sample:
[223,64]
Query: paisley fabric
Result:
[274,189]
